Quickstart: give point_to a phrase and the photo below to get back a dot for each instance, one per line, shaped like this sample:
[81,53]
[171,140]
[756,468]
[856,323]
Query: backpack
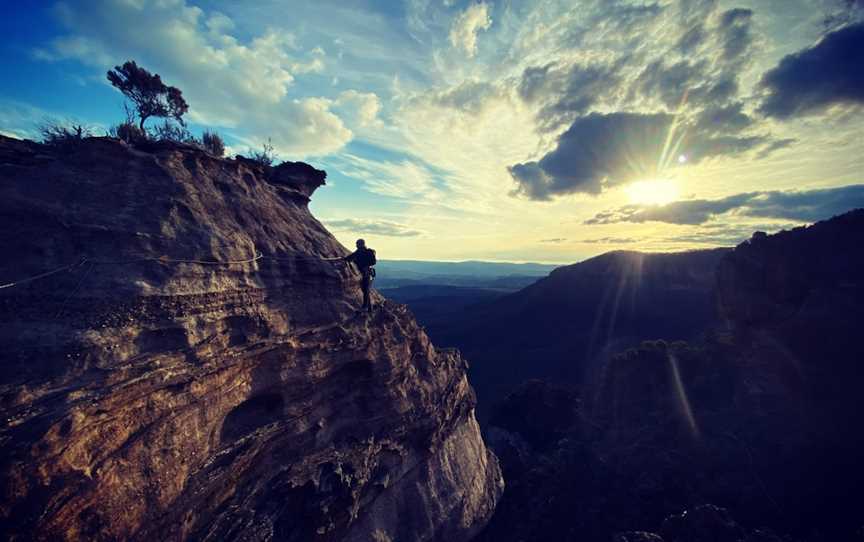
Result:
[366,258]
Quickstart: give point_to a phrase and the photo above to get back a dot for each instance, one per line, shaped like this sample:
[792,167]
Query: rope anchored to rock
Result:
[160,259]
[43,275]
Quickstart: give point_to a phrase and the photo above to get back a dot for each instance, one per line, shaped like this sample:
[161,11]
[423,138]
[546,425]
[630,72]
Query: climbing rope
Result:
[161,259]
[166,259]
[43,275]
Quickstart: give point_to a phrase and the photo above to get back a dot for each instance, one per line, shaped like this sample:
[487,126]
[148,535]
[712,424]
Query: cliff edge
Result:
[187,366]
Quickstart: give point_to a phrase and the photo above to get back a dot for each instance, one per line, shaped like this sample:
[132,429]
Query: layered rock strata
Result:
[195,367]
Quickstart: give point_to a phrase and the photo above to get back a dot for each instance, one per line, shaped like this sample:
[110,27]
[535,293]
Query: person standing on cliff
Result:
[364,259]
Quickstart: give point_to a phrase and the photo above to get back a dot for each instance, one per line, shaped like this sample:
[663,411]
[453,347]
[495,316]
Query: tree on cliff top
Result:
[152,97]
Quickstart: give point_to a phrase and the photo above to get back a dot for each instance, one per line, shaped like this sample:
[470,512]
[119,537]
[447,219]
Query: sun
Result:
[652,191]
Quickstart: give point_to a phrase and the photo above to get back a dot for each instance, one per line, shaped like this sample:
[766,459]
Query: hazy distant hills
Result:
[488,275]
[556,327]
[437,291]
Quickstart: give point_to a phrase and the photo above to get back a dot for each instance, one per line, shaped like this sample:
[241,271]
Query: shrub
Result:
[152,97]
[128,132]
[213,143]
[54,132]
[168,131]
[266,156]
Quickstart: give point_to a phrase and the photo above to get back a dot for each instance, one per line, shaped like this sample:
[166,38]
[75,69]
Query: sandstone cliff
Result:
[194,369]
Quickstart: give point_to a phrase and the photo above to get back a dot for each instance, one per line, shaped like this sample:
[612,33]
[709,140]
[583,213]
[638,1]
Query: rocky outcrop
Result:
[194,368]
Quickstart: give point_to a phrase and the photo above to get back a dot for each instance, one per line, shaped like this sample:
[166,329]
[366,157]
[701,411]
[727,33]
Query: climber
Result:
[364,259]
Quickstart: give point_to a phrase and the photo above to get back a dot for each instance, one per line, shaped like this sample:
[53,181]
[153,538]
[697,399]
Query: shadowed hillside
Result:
[761,418]
[557,327]
[182,362]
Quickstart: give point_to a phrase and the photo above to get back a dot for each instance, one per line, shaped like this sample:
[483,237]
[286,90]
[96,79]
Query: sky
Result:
[503,130]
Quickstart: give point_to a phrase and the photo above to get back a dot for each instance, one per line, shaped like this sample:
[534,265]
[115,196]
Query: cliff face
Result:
[198,371]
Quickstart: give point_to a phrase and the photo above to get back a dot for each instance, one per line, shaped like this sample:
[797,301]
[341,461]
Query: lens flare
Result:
[652,191]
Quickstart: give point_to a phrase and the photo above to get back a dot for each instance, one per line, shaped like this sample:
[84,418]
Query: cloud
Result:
[466,26]
[596,150]
[554,240]
[692,38]
[610,240]
[679,212]
[729,118]
[564,91]
[725,234]
[470,96]
[670,82]
[243,85]
[375,227]
[402,179]
[735,32]
[602,150]
[776,146]
[800,205]
[364,106]
[815,78]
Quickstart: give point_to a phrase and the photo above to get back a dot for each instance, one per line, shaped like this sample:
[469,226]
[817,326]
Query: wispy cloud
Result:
[374,227]
[466,26]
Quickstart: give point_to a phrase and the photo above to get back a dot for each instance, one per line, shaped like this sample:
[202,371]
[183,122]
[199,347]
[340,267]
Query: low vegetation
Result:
[265,156]
[213,143]
[149,98]
[58,133]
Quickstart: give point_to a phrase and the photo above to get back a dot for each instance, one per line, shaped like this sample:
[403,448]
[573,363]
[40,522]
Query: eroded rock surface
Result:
[148,394]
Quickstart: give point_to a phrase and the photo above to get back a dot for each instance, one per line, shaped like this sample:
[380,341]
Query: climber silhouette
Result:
[364,259]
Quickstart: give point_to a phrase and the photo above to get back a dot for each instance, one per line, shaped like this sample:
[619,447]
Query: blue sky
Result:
[500,130]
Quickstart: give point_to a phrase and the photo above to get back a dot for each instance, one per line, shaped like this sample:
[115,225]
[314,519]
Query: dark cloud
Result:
[804,206]
[725,234]
[735,32]
[670,82]
[375,227]
[728,118]
[702,145]
[596,149]
[554,240]
[602,150]
[611,240]
[809,205]
[814,78]
[714,93]
[775,146]
[692,38]
[691,212]
[565,91]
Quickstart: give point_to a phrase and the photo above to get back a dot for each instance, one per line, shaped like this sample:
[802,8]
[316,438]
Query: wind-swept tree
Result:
[152,97]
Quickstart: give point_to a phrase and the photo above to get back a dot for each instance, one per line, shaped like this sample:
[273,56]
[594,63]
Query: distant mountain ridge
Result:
[465,268]
[555,327]
[751,432]
[503,276]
